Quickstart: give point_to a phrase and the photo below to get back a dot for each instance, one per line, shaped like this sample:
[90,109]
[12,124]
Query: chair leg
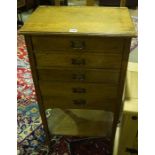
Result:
[19,19]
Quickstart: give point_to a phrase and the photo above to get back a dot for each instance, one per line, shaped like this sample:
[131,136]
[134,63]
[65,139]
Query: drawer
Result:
[65,102]
[79,75]
[79,60]
[68,44]
[78,90]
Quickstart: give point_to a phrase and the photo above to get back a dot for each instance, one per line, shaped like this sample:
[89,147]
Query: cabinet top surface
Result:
[78,20]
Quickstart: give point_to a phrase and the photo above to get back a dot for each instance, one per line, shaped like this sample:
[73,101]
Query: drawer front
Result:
[79,75]
[65,102]
[79,60]
[78,90]
[68,44]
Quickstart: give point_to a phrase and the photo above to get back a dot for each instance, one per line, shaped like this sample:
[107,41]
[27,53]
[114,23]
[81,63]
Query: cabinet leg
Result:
[115,123]
[45,126]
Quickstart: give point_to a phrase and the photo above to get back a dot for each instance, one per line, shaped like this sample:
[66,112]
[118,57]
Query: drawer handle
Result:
[80,77]
[78,90]
[78,45]
[79,102]
[77,61]
[134,117]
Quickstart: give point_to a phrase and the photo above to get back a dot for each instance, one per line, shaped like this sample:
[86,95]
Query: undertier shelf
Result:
[77,122]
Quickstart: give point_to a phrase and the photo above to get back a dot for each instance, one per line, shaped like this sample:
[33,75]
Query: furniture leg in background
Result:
[123,3]
[20,5]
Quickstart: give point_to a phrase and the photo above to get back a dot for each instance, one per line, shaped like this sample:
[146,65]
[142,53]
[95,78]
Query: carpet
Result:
[30,133]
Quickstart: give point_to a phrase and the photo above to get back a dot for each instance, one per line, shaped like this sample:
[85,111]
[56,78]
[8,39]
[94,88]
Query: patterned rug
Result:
[30,136]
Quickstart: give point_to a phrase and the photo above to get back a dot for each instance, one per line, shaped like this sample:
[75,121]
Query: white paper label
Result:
[73,30]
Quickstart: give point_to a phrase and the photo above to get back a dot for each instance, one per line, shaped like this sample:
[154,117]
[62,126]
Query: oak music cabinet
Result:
[78,57]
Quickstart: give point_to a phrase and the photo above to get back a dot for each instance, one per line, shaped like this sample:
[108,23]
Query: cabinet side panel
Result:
[119,104]
[36,84]
[125,57]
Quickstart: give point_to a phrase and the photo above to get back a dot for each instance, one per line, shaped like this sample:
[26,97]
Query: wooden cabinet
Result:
[126,141]
[78,57]
[129,140]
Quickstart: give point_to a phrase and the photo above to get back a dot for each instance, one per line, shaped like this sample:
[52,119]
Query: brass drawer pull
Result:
[78,61]
[78,45]
[78,90]
[79,102]
[79,77]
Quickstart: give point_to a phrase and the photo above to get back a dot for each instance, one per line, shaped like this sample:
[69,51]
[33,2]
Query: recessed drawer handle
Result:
[79,77]
[78,90]
[79,102]
[78,45]
[78,61]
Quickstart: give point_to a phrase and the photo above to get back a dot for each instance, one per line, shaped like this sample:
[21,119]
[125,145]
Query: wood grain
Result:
[65,102]
[79,75]
[87,44]
[90,20]
[86,60]
[60,89]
